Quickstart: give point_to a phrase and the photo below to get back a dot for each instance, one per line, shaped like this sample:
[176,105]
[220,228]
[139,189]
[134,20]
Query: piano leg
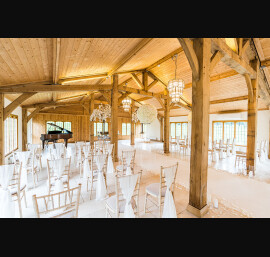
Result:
[43,142]
[66,141]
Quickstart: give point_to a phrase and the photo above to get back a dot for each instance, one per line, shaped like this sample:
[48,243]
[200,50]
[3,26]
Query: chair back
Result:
[126,155]
[63,204]
[19,179]
[163,175]
[135,194]
[51,172]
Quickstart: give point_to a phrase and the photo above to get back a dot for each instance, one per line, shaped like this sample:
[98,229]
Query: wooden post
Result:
[252,119]
[200,129]
[2,132]
[166,145]
[132,124]
[24,128]
[91,123]
[114,115]
[145,80]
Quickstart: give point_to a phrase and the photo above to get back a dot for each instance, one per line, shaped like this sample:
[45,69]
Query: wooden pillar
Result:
[252,119]
[24,129]
[2,132]
[200,129]
[145,80]
[132,125]
[114,115]
[166,145]
[91,123]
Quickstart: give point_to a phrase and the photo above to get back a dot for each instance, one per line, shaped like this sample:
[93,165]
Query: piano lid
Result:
[62,129]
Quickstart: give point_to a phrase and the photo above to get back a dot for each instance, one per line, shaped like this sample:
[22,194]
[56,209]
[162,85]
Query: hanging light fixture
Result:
[176,86]
[126,104]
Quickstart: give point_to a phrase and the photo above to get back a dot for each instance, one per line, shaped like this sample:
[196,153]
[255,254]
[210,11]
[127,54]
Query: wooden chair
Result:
[32,166]
[52,177]
[92,178]
[17,187]
[122,168]
[64,204]
[115,205]
[184,147]
[155,193]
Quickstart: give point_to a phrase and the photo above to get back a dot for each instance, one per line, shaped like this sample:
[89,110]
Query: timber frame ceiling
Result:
[69,71]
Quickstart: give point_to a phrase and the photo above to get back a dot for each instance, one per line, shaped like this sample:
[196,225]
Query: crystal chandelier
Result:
[176,86]
[102,113]
[126,104]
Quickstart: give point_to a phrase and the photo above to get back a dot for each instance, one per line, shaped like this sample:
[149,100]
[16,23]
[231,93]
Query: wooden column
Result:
[145,80]
[132,124]
[114,115]
[252,119]
[200,129]
[24,128]
[2,132]
[91,123]
[166,145]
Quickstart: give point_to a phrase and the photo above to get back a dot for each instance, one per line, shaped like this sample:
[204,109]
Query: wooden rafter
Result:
[52,88]
[13,105]
[137,81]
[187,46]
[33,114]
[215,59]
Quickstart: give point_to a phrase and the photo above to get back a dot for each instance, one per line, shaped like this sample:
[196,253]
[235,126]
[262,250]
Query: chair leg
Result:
[33,175]
[91,189]
[145,203]
[24,196]
[20,206]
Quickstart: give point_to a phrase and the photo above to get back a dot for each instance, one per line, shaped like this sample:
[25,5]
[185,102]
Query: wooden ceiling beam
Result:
[165,58]
[137,81]
[231,58]
[126,58]
[13,105]
[34,113]
[52,88]
[215,59]
[187,46]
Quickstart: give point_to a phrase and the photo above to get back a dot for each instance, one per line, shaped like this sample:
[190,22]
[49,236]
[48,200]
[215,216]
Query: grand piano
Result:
[55,135]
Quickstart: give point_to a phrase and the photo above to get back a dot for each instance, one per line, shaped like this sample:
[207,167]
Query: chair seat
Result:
[111,202]
[14,190]
[153,189]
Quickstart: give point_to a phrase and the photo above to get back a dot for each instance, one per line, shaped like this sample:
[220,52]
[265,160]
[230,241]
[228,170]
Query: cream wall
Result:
[17,111]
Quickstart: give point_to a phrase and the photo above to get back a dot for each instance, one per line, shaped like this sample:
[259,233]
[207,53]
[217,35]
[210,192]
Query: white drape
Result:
[59,168]
[101,191]
[128,155]
[24,158]
[127,185]
[7,207]
[110,168]
[169,210]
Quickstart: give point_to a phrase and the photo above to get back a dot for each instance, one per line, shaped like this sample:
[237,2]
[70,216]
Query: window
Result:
[11,134]
[224,130]
[179,130]
[62,124]
[98,127]
[126,129]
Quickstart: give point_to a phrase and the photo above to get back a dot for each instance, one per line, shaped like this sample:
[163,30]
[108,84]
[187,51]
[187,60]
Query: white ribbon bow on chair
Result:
[127,184]
[101,191]
[128,156]
[7,207]
[59,169]
[169,210]
[110,168]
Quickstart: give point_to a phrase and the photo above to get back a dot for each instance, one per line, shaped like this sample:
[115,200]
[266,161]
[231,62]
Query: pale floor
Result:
[149,158]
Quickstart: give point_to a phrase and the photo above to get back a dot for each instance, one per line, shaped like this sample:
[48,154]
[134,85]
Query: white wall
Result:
[17,111]
[154,130]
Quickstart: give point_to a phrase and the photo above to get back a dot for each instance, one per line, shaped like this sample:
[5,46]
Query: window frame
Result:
[181,122]
[13,116]
[225,121]
[55,124]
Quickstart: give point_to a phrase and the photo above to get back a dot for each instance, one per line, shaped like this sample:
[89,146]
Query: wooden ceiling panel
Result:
[152,52]
[25,60]
[83,56]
